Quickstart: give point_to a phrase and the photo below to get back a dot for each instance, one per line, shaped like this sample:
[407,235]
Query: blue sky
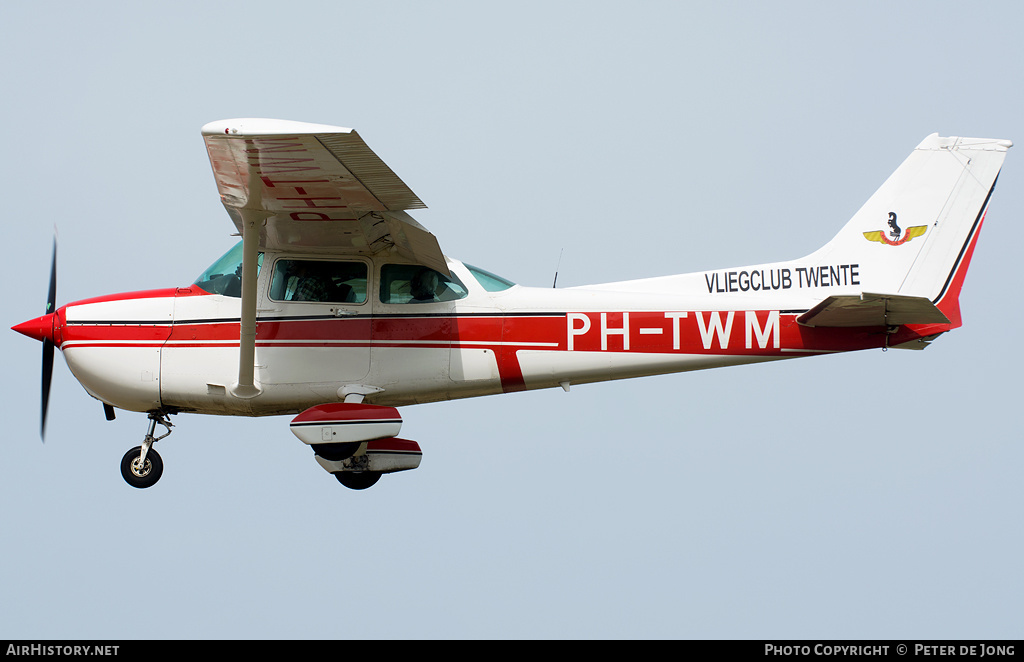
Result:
[871,495]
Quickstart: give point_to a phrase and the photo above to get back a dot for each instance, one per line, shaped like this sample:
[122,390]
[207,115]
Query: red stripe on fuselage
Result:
[714,332]
[723,333]
[163,293]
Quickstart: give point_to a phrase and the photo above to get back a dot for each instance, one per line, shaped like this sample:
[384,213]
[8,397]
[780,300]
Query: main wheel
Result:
[141,475]
[337,452]
[358,480]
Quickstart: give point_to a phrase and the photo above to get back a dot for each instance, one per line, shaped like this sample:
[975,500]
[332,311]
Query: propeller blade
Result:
[51,297]
[51,302]
[47,374]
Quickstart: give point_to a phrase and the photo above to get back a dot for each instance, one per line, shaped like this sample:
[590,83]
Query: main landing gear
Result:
[358,480]
[142,466]
[354,441]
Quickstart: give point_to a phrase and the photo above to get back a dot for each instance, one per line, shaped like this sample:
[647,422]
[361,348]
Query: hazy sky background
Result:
[869,495]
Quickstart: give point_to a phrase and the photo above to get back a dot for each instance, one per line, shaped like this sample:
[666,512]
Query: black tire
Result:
[145,476]
[358,480]
[337,452]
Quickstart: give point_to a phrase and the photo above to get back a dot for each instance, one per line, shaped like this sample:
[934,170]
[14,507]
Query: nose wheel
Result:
[139,472]
[142,466]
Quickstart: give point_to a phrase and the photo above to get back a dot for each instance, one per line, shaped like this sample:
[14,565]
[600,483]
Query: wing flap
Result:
[371,171]
[868,309]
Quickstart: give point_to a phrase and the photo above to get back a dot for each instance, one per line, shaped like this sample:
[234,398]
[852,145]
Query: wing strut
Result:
[246,387]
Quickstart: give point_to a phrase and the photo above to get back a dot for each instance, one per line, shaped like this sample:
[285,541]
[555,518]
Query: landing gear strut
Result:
[142,466]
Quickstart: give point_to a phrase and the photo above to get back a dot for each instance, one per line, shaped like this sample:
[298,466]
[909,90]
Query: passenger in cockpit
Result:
[311,285]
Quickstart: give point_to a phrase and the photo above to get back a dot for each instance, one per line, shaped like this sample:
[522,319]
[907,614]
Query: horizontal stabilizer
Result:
[872,310]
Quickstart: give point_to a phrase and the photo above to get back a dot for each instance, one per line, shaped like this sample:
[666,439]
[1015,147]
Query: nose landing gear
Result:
[141,466]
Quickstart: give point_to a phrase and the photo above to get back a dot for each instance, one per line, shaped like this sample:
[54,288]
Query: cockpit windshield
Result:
[225,275]
[489,281]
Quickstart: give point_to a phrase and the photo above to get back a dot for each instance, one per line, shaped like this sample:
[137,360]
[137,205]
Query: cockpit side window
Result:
[225,275]
[412,283]
[319,280]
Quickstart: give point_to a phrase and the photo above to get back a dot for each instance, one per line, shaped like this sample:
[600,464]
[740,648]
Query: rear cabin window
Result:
[411,283]
[319,280]
[490,282]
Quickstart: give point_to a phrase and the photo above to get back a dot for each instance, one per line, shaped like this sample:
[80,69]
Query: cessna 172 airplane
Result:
[338,306]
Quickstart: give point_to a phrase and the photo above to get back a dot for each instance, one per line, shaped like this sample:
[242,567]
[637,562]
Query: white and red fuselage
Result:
[338,306]
[177,349]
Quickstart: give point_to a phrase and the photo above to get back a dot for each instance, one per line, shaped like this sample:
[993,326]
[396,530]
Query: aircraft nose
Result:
[41,328]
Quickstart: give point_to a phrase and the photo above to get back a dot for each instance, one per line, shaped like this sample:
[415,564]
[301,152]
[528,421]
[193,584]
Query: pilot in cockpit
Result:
[424,286]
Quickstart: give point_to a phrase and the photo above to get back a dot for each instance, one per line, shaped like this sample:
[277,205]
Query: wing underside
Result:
[315,189]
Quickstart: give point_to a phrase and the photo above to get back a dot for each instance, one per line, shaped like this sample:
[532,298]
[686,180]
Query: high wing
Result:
[311,188]
[315,188]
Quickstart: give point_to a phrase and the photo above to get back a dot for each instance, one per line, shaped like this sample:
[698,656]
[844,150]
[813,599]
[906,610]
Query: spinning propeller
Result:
[51,302]
[41,328]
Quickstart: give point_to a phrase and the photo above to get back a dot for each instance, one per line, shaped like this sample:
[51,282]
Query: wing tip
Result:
[935,141]
[259,126]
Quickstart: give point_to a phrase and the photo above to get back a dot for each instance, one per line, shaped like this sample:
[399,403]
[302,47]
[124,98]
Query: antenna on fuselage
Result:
[557,265]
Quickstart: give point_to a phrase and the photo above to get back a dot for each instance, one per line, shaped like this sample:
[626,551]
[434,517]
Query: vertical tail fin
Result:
[914,237]
[900,260]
